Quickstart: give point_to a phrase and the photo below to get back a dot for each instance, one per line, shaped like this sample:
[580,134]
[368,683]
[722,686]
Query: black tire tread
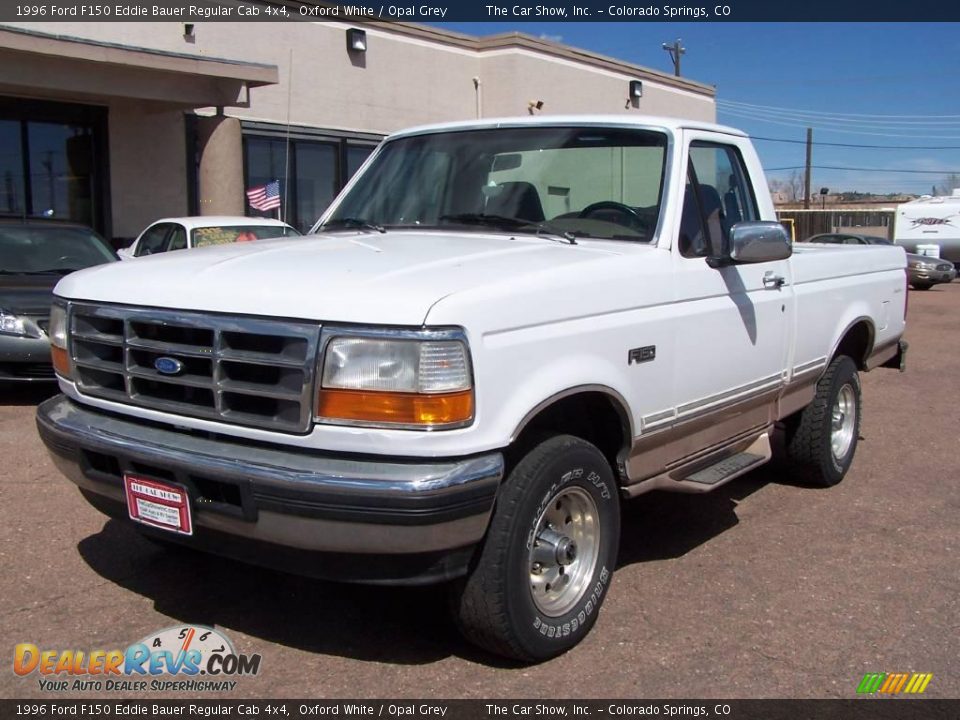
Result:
[479,602]
[805,446]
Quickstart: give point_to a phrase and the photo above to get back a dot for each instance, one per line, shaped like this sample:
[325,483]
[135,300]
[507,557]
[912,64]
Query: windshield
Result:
[35,249]
[225,234]
[583,182]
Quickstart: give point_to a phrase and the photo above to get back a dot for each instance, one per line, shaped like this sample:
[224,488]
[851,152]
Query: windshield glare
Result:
[592,182]
[39,249]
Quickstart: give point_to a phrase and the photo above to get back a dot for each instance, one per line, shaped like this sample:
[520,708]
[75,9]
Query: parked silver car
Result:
[33,258]
[923,271]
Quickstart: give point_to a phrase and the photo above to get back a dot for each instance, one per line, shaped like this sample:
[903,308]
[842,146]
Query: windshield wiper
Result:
[53,271]
[353,222]
[510,222]
[567,235]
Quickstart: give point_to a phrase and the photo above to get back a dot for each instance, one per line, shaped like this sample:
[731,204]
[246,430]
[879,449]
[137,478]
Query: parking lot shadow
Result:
[27,393]
[352,620]
[311,615]
[665,525]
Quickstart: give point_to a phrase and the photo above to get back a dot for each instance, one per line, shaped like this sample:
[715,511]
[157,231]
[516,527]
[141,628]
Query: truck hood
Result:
[392,278]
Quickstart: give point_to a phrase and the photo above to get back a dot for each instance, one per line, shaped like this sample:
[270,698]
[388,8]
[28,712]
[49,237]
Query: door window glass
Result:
[716,198]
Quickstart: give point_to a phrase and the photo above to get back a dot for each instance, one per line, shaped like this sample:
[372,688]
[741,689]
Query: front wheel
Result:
[536,586]
[823,440]
[921,286]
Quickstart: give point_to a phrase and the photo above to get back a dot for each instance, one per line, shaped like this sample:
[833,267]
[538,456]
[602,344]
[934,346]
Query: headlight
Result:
[406,383]
[11,324]
[926,266]
[57,331]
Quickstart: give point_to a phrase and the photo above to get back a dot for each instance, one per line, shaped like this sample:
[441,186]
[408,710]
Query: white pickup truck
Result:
[500,331]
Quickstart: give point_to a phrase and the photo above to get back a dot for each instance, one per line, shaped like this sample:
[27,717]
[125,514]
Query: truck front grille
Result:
[239,370]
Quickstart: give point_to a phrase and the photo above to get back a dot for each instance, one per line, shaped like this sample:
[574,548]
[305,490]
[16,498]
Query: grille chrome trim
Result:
[239,370]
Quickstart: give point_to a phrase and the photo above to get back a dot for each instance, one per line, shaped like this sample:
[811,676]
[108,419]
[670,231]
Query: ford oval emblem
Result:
[168,366]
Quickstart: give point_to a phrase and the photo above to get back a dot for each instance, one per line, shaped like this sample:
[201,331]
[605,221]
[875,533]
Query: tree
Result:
[791,186]
[950,182]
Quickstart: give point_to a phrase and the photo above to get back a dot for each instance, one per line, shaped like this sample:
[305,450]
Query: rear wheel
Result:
[823,439]
[537,583]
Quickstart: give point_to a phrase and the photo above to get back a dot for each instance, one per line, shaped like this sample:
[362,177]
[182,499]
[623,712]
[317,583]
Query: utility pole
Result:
[806,179]
[675,50]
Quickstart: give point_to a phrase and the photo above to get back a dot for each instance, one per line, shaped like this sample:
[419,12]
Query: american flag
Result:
[265,197]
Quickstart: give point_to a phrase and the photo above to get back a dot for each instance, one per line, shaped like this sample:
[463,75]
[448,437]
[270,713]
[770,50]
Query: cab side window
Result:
[154,240]
[178,238]
[717,197]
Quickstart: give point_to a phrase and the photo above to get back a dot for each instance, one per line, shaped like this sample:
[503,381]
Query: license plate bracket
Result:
[159,504]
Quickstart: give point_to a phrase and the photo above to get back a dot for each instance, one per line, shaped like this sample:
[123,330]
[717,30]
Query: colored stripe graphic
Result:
[894,683]
[871,682]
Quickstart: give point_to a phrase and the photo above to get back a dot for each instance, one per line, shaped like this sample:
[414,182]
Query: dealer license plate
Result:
[158,504]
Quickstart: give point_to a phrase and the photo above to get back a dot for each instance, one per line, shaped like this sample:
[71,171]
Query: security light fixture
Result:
[636,89]
[188,32]
[356,40]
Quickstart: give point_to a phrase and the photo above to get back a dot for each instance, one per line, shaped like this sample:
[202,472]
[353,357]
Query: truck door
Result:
[733,323]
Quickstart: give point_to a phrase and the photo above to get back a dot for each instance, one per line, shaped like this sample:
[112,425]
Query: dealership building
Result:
[117,124]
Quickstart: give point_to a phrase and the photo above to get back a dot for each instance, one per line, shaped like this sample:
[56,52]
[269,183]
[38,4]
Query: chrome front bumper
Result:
[278,497]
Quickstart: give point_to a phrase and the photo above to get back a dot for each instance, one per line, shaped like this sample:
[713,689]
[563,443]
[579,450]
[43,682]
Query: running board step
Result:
[726,469]
[730,467]
[706,474]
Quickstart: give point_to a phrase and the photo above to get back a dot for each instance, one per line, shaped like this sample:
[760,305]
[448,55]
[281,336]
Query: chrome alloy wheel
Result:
[564,552]
[843,422]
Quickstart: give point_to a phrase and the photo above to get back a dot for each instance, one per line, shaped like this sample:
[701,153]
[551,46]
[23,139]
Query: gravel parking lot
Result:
[762,589]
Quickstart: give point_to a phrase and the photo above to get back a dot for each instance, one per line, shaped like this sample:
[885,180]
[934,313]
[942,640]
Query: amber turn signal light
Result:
[408,409]
[61,361]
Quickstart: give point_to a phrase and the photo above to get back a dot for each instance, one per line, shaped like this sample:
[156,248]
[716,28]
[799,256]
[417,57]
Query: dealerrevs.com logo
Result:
[180,658]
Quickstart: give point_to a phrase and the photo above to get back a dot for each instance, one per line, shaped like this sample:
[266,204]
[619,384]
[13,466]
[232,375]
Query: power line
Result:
[856,145]
[836,130]
[793,112]
[862,169]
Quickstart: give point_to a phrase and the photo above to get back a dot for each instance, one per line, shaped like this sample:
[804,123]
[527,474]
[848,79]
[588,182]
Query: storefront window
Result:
[61,158]
[316,181]
[11,168]
[49,163]
[311,174]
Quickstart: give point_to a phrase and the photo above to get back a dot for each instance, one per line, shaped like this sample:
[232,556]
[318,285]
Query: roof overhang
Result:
[40,64]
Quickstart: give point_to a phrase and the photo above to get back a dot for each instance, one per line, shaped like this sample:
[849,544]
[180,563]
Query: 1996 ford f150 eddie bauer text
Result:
[501,330]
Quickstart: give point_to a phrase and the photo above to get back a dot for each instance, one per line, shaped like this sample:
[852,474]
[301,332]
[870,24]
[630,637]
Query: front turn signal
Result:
[401,410]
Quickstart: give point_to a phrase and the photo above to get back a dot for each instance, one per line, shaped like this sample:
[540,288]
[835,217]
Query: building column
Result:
[220,146]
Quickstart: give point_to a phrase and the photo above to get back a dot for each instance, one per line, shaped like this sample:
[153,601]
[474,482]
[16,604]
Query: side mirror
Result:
[755,242]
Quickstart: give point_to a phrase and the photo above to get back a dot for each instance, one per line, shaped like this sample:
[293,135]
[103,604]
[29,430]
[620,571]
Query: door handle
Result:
[772,281]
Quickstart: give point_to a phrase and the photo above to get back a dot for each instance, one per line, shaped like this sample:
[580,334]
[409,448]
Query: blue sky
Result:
[865,77]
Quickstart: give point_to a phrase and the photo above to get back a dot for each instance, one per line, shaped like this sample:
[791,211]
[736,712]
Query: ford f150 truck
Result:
[499,332]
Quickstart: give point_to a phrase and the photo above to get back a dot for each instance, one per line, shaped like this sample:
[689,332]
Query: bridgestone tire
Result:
[498,606]
[812,451]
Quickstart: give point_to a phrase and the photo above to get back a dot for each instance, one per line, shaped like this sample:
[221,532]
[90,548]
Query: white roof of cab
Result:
[617,121]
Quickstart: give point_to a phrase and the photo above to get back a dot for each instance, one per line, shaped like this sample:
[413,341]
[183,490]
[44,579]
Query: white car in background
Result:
[199,231]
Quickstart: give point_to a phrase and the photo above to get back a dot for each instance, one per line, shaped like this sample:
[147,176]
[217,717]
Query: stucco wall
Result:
[400,81]
[147,166]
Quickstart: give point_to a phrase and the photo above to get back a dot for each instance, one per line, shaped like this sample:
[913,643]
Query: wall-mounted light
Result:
[356,40]
[188,32]
[636,89]
[534,105]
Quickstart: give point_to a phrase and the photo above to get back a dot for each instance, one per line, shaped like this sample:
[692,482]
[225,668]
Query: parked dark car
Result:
[923,271]
[33,257]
